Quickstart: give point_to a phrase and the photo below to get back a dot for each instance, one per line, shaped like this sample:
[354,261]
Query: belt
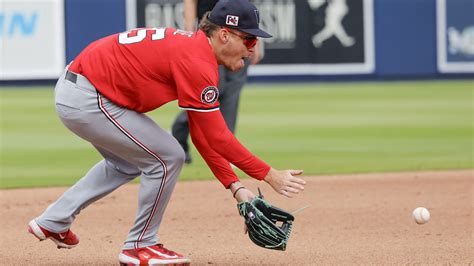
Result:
[72,77]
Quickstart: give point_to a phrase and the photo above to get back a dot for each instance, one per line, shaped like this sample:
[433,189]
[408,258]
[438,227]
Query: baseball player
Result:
[230,82]
[103,96]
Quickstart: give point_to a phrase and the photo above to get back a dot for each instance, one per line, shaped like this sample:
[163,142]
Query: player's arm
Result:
[198,95]
[190,14]
[211,127]
[221,140]
[219,166]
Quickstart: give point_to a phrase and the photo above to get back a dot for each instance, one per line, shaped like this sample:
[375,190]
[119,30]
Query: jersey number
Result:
[124,38]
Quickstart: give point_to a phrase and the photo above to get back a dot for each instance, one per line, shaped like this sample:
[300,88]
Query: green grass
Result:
[323,128]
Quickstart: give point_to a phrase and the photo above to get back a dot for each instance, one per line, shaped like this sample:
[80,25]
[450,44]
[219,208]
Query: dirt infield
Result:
[353,219]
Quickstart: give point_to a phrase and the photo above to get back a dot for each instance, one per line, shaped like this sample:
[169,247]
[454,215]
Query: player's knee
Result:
[170,161]
[178,156]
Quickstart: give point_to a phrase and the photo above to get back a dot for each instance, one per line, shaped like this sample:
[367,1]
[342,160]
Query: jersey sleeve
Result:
[211,128]
[219,166]
[196,83]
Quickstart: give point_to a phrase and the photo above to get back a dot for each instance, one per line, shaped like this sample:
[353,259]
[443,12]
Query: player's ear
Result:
[224,35]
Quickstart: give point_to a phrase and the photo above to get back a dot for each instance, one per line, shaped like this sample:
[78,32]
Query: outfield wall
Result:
[313,39]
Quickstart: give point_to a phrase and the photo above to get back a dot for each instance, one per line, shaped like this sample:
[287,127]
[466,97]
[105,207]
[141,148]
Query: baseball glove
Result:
[267,226]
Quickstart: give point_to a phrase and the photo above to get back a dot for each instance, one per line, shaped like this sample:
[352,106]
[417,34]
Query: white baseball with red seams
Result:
[421,215]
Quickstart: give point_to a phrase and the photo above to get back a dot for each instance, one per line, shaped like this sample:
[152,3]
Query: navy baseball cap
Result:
[238,14]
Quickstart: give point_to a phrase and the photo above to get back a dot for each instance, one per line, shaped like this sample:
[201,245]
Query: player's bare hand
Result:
[285,182]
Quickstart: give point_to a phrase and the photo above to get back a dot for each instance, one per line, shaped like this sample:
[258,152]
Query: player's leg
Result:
[106,176]
[180,130]
[232,87]
[132,137]
[141,142]
[160,161]
[77,110]
[137,139]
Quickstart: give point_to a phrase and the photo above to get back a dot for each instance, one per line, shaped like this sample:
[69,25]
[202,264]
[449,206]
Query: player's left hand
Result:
[268,226]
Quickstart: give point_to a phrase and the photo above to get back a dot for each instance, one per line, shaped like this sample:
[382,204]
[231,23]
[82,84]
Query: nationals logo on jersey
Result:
[209,95]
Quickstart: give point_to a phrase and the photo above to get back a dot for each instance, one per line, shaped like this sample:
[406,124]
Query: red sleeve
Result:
[211,128]
[219,166]
[196,82]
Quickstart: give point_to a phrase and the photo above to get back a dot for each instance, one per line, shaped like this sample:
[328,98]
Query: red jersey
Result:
[145,68]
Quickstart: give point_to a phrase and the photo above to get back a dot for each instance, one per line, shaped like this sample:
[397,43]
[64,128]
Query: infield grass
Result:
[323,128]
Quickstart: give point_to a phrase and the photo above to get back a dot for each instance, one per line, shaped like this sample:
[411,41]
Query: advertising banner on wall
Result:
[159,13]
[310,37]
[455,36]
[317,37]
[31,39]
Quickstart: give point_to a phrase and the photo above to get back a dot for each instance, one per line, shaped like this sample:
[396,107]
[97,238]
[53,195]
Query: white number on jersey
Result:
[124,37]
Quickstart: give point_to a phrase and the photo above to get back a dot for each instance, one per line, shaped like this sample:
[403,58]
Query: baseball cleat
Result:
[152,255]
[63,240]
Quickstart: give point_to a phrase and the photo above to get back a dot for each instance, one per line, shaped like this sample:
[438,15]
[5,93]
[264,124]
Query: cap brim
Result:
[256,32]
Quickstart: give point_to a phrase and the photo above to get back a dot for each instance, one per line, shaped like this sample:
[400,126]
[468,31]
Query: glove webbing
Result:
[264,225]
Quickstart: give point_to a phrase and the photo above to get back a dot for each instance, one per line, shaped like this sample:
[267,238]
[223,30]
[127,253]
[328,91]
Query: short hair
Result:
[207,26]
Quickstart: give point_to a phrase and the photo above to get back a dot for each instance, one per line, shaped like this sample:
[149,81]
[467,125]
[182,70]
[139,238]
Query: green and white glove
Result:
[263,223]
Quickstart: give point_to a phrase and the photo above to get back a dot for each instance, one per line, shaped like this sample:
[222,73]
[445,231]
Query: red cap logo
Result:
[232,20]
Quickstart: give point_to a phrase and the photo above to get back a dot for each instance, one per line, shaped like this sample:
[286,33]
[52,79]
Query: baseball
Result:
[421,215]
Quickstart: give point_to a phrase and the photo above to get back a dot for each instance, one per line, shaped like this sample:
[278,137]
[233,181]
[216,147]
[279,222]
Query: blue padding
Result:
[89,20]
[405,37]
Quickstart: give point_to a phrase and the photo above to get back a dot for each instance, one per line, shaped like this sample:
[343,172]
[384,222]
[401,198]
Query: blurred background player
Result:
[230,82]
